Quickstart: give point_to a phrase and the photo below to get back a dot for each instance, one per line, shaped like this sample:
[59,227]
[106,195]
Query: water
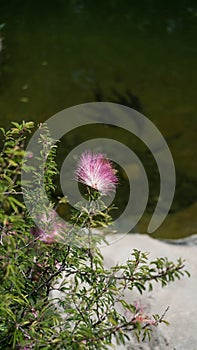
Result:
[143,54]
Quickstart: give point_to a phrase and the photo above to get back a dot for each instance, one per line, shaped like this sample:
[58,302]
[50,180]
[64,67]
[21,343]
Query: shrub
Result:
[56,294]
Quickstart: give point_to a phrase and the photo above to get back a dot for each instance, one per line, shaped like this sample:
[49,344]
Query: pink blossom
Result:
[140,315]
[139,307]
[30,155]
[144,319]
[52,228]
[34,312]
[96,171]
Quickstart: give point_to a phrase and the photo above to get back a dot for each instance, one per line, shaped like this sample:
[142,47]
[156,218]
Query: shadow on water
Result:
[127,99]
[186,187]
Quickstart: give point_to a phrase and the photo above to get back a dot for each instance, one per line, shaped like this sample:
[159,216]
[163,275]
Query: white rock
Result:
[180,296]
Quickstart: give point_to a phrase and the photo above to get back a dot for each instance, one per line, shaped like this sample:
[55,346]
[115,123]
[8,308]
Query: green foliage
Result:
[60,296]
[11,157]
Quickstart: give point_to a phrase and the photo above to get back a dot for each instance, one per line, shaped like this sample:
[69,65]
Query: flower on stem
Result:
[144,319]
[96,171]
[140,315]
[52,229]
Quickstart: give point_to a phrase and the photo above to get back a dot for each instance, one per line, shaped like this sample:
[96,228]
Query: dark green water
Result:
[140,53]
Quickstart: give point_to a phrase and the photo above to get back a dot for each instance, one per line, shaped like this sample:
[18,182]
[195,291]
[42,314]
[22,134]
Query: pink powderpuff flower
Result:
[144,319]
[51,231]
[140,315]
[96,171]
